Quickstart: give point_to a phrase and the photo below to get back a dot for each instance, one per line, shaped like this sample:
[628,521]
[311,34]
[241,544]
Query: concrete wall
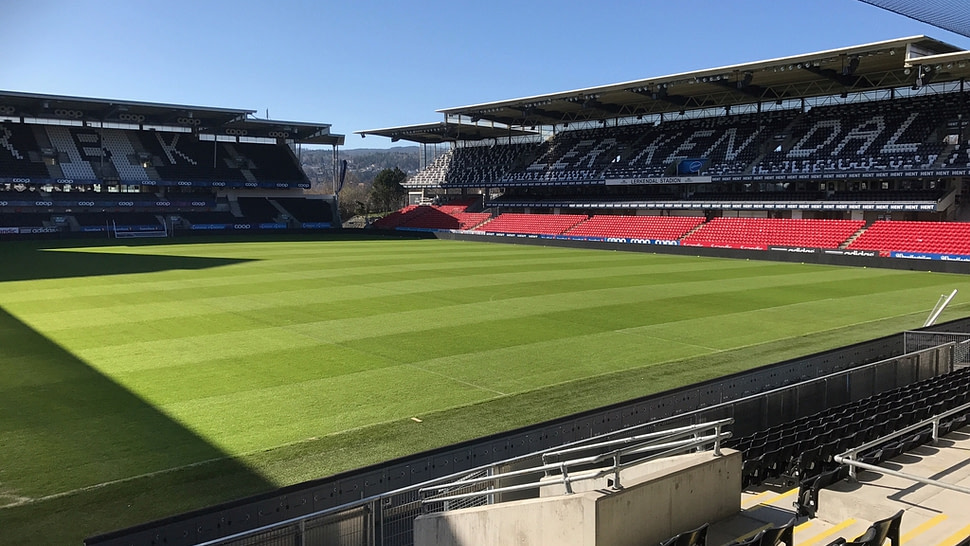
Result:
[697,489]
[565,521]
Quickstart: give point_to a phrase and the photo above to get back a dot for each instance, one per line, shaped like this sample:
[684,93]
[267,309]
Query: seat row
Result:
[804,448]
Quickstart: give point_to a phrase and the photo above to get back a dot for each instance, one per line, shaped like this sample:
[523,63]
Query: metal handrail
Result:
[656,450]
[849,456]
[666,435]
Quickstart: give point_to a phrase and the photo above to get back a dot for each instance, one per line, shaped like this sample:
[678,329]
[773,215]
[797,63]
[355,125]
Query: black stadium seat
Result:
[697,537]
[807,503]
[774,536]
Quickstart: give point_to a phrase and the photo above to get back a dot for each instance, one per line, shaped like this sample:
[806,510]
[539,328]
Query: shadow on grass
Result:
[32,260]
[82,455]
[22,262]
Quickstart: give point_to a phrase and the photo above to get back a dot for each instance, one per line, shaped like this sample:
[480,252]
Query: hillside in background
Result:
[362,164]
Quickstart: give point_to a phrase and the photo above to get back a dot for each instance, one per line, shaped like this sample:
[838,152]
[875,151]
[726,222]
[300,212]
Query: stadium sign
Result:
[838,175]
[865,253]
[32,230]
[796,250]
[637,181]
[931,256]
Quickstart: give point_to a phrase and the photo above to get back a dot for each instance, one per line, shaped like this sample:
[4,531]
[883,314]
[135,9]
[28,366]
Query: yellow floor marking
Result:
[956,537]
[921,528]
[827,533]
[771,500]
[757,498]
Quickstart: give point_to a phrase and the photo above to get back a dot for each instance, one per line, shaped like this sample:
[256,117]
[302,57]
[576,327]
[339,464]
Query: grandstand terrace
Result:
[834,141]
[71,164]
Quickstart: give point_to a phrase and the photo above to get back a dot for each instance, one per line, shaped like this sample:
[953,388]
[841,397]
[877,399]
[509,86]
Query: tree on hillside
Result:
[387,193]
[353,192]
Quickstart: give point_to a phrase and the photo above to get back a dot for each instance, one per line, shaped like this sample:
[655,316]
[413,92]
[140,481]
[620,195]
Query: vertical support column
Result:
[334,163]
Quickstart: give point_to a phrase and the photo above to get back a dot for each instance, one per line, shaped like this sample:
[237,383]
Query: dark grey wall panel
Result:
[768,255]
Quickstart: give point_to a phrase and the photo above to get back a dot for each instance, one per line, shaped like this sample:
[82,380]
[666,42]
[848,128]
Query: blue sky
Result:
[360,64]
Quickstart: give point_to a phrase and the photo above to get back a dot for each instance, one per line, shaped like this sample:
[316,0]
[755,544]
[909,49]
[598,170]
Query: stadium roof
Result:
[436,133]
[878,65]
[304,133]
[204,119]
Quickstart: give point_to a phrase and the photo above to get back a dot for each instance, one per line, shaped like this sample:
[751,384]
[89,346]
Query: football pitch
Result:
[142,380]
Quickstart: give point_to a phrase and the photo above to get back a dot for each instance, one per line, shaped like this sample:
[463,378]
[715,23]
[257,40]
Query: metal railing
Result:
[621,454]
[849,456]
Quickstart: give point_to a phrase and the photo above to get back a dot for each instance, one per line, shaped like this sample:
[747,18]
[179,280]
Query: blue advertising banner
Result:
[931,256]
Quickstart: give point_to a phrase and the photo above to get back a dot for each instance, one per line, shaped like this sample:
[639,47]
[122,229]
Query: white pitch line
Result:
[456,380]
[33,500]
[636,331]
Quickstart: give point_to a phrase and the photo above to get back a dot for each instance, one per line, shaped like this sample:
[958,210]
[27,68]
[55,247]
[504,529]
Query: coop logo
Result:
[3,203]
[85,203]
[44,203]
[20,180]
[616,239]
[198,203]
[242,226]
[162,204]
[184,183]
[126,203]
[666,242]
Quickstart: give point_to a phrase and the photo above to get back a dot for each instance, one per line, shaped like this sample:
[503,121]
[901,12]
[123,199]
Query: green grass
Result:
[141,381]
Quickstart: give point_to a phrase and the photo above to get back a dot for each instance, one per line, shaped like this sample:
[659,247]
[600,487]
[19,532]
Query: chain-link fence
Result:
[917,341]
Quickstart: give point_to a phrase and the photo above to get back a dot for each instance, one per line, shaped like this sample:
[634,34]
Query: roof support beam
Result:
[846,78]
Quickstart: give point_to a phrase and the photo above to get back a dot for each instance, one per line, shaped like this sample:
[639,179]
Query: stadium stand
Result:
[306,210]
[399,217]
[802,451]
[145,160]
[16,144]
[258,209]
[888,236]
[645,227]
[761,233]
[538,224]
